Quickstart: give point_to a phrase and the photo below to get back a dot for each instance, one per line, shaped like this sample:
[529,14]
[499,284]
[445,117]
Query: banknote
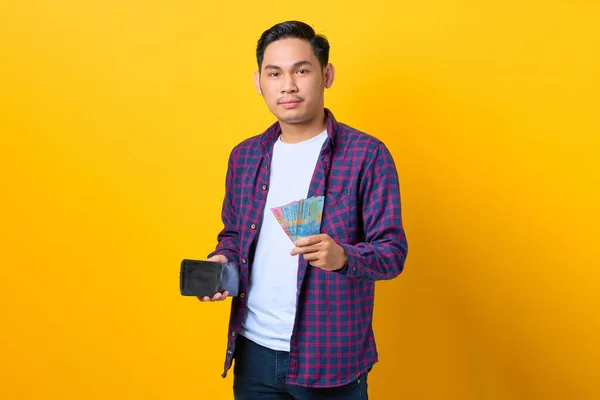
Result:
[290,212]
[300,218]
[309,220]
[278,213]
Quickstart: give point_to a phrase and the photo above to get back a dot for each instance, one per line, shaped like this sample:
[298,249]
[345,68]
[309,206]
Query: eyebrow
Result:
[296,65]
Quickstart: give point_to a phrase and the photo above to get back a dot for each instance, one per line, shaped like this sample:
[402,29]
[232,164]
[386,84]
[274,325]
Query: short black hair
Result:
[293,29]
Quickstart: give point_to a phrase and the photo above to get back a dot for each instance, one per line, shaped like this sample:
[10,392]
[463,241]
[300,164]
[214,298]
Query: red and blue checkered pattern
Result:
[332,342]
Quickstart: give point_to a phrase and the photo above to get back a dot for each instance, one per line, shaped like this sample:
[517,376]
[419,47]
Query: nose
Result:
[288,84]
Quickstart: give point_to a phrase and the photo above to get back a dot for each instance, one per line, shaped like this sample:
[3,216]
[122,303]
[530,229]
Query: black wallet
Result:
[206,278]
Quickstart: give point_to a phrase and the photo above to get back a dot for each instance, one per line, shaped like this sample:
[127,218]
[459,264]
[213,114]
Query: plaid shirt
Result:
[332,341]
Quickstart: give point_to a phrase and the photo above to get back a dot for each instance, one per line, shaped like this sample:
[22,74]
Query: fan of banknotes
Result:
[300,218]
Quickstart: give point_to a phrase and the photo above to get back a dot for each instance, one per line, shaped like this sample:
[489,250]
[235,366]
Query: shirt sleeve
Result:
[228,237]
[383,253]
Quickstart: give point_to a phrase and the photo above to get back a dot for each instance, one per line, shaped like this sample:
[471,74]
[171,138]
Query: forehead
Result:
[287,52]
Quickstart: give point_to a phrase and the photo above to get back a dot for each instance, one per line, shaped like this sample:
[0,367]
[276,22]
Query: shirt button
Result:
[242,295]
[264,187]
[244,260]
[253,226]
[353,269]
[232,333]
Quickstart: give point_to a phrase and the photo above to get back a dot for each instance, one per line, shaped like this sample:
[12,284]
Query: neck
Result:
[296,133]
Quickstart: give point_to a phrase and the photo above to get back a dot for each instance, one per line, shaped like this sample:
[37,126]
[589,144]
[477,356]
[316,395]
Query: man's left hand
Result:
[321,251]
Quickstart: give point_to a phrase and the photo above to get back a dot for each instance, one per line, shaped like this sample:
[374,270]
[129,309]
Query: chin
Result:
[299,119]
[294,117]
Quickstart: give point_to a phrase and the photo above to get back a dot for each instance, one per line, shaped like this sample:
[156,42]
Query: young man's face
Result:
[292,81]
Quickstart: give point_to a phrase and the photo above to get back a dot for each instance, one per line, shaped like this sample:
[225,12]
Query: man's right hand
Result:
[218,296]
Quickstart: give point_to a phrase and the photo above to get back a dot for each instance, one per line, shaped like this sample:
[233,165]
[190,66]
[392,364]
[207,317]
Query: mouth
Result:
[290,103]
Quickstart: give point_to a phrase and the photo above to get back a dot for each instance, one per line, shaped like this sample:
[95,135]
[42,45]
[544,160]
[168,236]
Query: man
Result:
[301,325]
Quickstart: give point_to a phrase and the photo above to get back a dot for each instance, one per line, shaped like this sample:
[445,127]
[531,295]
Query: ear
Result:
[257,82]
[329,75]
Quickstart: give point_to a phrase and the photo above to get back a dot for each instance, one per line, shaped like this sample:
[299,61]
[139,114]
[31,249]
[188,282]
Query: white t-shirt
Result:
[271,310]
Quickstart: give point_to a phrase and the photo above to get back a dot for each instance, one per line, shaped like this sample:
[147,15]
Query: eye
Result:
[302,71]
[274,74]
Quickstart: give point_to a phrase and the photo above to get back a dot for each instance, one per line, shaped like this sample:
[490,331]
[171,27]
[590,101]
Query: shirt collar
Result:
[270,136]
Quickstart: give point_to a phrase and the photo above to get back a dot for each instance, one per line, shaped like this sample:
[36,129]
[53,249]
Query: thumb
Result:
[218,258]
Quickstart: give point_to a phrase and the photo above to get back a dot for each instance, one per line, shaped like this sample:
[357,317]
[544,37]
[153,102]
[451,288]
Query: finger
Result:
[203,298]
[305,249]
[312,256]
[308,240]
[220,296]
[318,263]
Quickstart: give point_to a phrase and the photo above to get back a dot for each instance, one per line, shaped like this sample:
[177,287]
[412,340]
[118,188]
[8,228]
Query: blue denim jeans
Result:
[259,374]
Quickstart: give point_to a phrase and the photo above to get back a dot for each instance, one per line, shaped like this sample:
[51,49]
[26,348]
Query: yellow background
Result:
[116,121]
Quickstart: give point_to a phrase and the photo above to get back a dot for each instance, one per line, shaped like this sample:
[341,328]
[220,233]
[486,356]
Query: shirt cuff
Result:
[352,267]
